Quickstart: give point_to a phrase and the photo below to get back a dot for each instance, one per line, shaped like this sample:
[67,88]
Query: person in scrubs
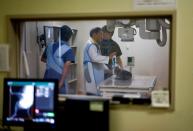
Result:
[58,57]
[94,62]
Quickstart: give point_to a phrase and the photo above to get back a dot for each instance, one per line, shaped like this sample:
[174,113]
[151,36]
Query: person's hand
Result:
[61,84]
[112,54]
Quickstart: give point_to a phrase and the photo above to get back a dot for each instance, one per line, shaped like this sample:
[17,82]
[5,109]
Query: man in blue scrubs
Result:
[58,57]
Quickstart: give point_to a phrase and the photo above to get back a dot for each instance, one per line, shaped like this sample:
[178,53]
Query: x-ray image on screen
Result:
[21,102]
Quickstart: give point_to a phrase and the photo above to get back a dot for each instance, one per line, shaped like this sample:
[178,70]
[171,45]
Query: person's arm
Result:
[117,48]
[43,59]
[97,57]
[65,72]
[44,56]
[119,62]
[68,58]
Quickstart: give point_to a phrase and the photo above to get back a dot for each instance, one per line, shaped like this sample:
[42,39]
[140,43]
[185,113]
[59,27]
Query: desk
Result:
[137,87]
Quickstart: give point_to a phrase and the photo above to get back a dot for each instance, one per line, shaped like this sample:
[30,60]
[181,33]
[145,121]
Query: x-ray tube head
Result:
[152,29]
[111,25]
[127,34]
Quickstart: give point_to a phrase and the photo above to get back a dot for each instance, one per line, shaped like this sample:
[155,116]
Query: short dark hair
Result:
[66,33]
[95,30]
[105,29]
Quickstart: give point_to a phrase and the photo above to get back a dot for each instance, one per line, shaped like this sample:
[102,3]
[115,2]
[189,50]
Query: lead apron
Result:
[55,63]
[93,73]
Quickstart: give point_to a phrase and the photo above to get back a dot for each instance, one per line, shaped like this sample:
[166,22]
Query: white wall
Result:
[30,47]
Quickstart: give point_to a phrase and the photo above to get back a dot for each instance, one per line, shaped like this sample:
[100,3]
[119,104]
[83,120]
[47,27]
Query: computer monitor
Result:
[83,113]
[30,102]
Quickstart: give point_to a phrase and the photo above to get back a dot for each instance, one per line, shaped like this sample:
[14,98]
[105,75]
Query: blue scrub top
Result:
[55,60]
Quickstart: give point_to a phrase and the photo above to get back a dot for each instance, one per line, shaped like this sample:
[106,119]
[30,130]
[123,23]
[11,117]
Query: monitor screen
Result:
[30,102]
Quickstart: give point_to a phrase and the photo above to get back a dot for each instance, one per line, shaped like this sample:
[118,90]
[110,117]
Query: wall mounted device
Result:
[155,29]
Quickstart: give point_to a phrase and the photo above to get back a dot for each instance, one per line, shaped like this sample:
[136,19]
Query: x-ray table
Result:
[138,87]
